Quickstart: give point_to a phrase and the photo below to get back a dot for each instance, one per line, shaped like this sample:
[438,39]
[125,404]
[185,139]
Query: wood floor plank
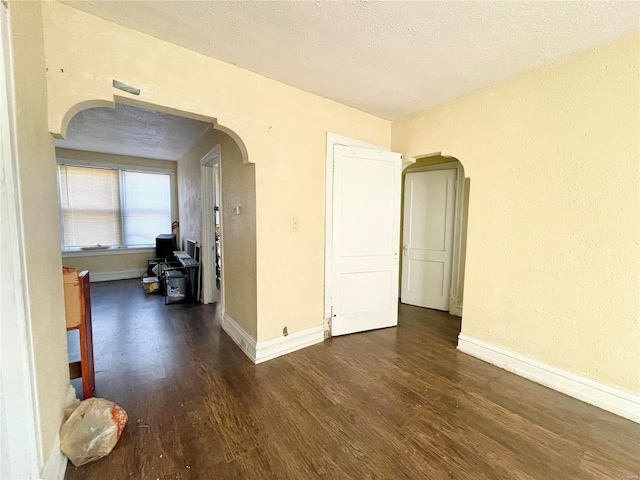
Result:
[392,403]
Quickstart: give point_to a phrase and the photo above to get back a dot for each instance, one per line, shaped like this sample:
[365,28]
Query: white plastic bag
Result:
[92,430]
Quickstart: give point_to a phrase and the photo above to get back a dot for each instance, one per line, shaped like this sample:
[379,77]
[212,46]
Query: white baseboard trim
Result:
[239,336]
[279,346]
[276,347]
[55,467]
[614,400]
[117,275]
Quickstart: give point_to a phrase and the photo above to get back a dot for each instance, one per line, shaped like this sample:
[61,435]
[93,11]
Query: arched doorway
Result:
[133,155]
[435,206]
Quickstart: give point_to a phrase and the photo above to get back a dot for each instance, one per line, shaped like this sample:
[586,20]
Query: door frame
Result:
[332,140]
[455,308]
[210,160]
[19,408]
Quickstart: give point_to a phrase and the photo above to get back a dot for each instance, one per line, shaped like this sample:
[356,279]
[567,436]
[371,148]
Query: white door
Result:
[427,237]
[366,239]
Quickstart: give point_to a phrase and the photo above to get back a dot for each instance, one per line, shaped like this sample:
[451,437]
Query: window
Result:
[112,206]
[146,207]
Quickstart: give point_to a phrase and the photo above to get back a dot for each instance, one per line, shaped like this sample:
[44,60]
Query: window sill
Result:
[107,251]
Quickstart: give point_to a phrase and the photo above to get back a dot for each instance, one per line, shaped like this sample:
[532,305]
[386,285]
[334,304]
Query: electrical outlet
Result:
[285,332]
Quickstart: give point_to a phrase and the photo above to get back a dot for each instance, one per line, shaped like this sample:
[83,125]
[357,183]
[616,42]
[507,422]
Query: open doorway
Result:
[118,182]
[215,173]
[365,185]
[434,230]
[211,226]
[123,144]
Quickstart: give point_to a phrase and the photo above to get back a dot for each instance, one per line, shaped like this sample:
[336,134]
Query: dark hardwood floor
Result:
[394,403]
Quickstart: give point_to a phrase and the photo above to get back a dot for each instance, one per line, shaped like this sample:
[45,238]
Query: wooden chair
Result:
[77,302]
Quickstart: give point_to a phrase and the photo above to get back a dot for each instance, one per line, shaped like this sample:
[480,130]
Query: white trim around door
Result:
[207,256]
[20,442]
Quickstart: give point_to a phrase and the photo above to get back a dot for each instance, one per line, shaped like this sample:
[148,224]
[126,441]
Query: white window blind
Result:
[108,206]
[90,199]
[146,205]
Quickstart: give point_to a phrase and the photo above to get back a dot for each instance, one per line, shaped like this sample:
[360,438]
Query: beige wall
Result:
[238,188]
[109,263]
[120,261]
[553,257]
[190,188]
[39,204]
[282,129]
[552,261]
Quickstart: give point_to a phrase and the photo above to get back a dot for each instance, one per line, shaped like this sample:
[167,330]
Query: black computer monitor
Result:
[191,248]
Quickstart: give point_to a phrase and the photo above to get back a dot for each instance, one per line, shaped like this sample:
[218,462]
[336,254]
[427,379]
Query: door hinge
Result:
[332,314]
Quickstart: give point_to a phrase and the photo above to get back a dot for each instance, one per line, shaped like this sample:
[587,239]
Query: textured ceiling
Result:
[126,130]
[387,58]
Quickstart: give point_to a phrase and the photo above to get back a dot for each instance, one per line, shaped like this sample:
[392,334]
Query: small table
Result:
[192,268]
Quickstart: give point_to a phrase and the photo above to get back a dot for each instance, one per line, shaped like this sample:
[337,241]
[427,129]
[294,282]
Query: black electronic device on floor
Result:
[165,245]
